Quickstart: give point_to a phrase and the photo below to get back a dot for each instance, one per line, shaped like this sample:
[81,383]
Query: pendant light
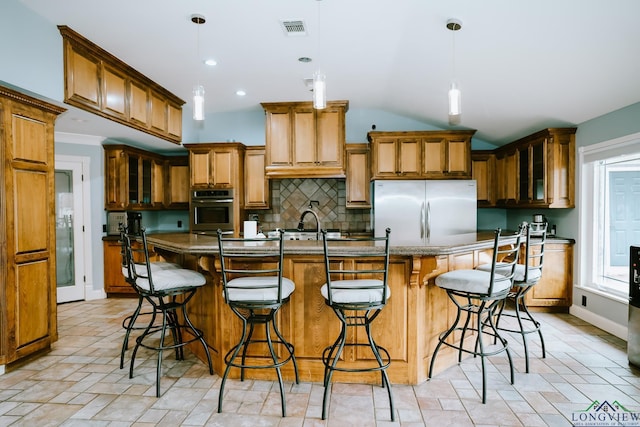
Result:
[198,89]
[455,101]
[319,79]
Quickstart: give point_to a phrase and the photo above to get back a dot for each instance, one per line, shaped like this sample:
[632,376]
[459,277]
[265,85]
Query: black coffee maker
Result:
[134,222]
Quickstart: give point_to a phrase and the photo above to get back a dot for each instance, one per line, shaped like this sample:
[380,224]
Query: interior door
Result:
[69,231]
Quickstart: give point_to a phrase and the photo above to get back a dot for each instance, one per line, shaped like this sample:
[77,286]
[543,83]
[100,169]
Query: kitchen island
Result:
[417,312]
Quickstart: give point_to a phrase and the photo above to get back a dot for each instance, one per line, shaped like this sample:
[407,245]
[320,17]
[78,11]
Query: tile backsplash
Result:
[290,197]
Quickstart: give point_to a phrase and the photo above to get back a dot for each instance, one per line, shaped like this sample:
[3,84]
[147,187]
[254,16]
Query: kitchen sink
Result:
[295,234]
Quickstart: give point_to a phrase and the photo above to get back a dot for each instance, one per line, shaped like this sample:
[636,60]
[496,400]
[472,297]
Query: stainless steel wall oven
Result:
[212,210]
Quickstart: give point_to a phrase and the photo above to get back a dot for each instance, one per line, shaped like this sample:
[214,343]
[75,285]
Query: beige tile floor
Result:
[79,383]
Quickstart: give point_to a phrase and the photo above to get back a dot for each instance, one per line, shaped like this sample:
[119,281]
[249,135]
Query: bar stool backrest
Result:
[534,251]
[505,257]
[351,263]
[135,260]
[252,258]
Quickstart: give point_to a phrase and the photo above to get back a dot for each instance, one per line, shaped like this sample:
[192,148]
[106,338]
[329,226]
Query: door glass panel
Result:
[524,174]
[538,172]
[65,267]
[146,181]
[133,179]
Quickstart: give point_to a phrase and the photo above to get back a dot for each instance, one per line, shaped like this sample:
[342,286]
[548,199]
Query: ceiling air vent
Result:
[293,27]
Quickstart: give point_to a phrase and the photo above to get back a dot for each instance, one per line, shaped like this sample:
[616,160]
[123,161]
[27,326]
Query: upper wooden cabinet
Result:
[27,225]
[358,176]
[138,180]
[304,142]
[483,167]
[99,82]
[535,171]
[216,165]
[177,182]
[421,154]
[256,184]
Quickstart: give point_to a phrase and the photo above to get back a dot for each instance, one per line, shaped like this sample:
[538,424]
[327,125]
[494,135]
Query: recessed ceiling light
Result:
[210,62]
[240,92]
[304,59]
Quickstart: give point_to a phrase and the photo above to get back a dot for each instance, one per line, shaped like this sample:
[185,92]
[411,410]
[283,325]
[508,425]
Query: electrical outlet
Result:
[179,224]
[584,300]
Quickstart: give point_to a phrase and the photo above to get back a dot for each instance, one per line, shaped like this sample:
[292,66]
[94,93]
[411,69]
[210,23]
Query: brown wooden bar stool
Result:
[357,291]
[255,290]
[478,293]
[168,291]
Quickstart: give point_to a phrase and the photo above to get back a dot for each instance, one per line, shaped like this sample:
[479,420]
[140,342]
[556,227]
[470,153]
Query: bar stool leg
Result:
[128,324]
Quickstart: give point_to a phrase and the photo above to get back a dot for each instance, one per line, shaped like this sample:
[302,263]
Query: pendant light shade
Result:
[455,104]
[455,96]
[319,90]
[198,102]
[198,89]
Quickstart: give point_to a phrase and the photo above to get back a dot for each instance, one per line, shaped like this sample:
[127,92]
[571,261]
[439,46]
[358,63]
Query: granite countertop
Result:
[207,244]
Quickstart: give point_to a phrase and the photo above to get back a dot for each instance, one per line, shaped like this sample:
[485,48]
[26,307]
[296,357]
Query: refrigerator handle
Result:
[428,220]
[422,220]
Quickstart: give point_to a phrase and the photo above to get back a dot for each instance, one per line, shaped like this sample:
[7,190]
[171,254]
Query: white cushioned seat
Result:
[518,276]
[141,269]
[472,281]
[172,278]
[259,288]
[353,293]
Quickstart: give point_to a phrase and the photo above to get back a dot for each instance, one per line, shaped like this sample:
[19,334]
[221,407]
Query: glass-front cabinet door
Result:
[532,173]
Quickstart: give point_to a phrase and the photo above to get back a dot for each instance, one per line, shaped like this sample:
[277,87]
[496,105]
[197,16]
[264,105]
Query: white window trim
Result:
[588,154]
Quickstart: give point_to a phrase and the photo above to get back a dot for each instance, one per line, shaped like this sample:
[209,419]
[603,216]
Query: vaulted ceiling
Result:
[521,65]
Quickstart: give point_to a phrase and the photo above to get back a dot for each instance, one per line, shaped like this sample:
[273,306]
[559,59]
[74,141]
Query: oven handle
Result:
[213,201]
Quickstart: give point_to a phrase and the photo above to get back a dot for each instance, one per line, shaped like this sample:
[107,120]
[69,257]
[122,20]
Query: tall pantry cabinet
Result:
[27,225]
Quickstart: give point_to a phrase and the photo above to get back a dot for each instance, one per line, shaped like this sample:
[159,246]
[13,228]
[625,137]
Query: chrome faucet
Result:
[304,214]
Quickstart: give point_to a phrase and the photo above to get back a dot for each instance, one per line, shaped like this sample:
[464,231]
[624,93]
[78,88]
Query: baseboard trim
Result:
[596,320]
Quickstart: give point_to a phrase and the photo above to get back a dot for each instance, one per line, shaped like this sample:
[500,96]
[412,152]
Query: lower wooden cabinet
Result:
[114,282]
[555,288]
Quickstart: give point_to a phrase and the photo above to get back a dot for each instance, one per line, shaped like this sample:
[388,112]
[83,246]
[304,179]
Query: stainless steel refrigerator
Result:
[424,211]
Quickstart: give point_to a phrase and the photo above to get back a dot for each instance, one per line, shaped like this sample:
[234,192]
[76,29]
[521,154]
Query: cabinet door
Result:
[458,157]
[178,183]
[133,179]
[385,157]
[113,278]
[278,138]
[483,168]
[223,168]
[434,157]
[158,112]
[114,92]
[256,186]
[138,99]
[329,137]
[358,176]
[556,284]
[27,256]
[510,177]
[200,165]
[304,137]
[158,184]
[83,75]
[115,193]
[561,170]
[409,157]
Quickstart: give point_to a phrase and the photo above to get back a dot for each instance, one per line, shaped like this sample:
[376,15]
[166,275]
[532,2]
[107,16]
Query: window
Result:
[610,213]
